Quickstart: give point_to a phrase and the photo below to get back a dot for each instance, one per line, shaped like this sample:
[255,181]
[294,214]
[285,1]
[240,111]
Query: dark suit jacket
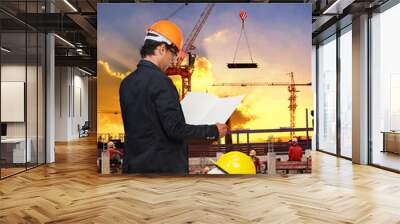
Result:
[154,123]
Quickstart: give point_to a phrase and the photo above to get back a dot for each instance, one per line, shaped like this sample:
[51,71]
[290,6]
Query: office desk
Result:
[391,142]
[16,147]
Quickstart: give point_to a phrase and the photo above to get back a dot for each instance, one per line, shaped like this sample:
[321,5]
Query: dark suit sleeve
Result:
[165,98]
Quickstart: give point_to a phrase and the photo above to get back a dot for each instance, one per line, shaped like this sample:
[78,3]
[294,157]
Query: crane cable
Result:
[243,30]
[176,11]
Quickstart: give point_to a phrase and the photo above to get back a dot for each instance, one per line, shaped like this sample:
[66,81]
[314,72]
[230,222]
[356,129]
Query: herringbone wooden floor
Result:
[71,191]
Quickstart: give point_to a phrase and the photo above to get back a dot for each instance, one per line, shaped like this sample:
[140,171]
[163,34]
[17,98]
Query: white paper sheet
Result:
[204,108]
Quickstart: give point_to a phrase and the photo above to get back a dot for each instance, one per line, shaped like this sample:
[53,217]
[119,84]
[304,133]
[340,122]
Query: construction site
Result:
[193,70]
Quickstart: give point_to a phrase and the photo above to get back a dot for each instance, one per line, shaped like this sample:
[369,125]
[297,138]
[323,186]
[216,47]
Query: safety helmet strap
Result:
[152,35]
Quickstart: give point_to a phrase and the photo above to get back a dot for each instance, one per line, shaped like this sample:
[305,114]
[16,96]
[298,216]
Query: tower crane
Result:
[186,71]
[291,88]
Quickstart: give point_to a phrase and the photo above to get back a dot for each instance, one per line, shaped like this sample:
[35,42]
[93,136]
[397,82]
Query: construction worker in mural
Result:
[154,123]
[256,160]
[295,151]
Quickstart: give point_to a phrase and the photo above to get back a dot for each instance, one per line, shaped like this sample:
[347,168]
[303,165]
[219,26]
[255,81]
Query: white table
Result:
[18,145]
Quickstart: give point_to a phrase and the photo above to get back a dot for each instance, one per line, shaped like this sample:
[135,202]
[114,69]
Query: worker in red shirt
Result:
[295,151]
[256,160]
[115,155]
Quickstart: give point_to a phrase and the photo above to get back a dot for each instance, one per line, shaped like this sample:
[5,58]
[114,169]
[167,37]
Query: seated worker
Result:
[256,160]
[295,151]
[115,155]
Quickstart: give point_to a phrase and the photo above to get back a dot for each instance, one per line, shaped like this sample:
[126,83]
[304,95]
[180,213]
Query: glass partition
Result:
[346,93]
[22,87]
[14,153]
[385,89]
[327,95]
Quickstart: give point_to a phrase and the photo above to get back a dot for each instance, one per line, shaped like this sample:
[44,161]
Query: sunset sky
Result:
[280,40]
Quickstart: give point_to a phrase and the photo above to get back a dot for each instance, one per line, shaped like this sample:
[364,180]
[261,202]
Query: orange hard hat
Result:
[168,30]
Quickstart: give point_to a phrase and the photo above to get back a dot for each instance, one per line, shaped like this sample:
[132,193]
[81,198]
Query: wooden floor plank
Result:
[71,191]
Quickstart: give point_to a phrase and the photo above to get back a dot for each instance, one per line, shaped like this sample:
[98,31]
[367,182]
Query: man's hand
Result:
[222,129]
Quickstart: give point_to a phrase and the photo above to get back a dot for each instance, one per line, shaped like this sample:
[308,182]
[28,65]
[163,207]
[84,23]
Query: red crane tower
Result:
[185,71]
[292,105]
[291,88]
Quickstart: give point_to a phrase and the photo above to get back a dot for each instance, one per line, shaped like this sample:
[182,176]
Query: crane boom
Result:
[185,72]
[291,86]
[261,84]
[195,32]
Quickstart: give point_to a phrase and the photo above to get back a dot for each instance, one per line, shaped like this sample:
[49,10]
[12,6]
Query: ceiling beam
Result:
[81,61]
[84,24]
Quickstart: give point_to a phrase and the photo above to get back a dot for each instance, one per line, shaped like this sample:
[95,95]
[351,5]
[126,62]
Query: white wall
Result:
[12,73]
[61,103]
[71,94]
[80,102]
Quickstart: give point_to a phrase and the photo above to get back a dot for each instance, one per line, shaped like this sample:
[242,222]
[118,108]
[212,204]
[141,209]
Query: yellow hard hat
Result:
[168,30]
[253,152]
[236,162]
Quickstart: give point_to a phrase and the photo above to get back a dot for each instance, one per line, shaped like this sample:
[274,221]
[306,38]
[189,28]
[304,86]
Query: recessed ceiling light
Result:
[64,40]
[70,5]
[337,7]
[86,72]
[5,50]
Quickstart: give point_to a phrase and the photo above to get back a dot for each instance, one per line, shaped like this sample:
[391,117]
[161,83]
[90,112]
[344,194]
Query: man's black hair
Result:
[150,46]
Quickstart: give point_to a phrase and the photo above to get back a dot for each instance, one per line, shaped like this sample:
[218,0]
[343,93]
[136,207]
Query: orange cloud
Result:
[262,108]
[202,77]
[241,116]
[109,72]
[109,120]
